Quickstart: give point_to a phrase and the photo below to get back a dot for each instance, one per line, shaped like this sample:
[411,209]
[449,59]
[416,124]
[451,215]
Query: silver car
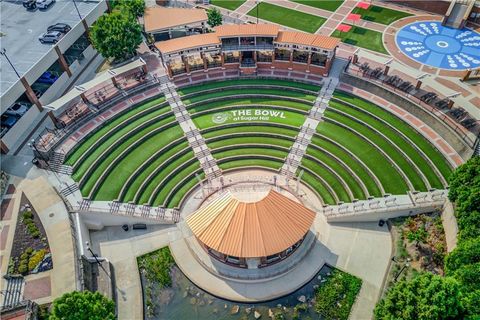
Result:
[50,37]
[44,4]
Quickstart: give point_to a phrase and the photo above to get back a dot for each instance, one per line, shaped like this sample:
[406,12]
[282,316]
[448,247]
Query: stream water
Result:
[185,301]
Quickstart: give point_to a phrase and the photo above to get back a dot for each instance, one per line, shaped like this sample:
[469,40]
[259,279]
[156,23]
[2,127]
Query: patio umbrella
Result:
[344,27]
[363,5]
[354,17]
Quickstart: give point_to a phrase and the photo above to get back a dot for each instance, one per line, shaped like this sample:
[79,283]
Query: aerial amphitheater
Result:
[241,159]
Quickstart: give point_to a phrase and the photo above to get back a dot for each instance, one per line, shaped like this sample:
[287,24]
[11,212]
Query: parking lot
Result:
[21,28]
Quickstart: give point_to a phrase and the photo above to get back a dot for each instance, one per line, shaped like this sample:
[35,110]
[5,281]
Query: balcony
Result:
[248,63]
[246,47]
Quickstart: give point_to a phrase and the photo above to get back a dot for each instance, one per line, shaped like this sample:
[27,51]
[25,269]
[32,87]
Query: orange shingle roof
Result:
[234,30]
[307,39]
[251,229]
[189,42]
[160,18]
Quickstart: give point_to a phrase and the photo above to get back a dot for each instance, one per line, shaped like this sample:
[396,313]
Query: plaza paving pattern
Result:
[431,43]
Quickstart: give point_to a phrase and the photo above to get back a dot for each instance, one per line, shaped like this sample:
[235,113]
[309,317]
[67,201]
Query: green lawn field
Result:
[321,4]
[362,37]
[288,17]
[380,14]
[227,4]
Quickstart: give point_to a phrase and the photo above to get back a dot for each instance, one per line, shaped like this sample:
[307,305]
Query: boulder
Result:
[257,315]
[270,313]
[235,309]
[302,299]
[248,310]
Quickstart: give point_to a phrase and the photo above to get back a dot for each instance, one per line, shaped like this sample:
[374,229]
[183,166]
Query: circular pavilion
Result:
[251,234]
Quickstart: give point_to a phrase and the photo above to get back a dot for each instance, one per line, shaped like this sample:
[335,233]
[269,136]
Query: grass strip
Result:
[243,163]
[329,178]
[351,162]
[361,37]
[250,139]
[158,162]
[244,82]
[101,167]
[319,187]
[399,141]
[86,143]
[87,162]
[380,14]
[250,101]
[248,129]
[436,156]
[339,169]
[189,185]
[239,92]
[410,172]
[113,183]
[391,180]
[250,151]
[228,4]
[288,117]
[329,5]
[158,178]
[287,17]
[173,181]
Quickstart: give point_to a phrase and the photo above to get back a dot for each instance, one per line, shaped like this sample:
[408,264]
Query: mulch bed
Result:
[22,238]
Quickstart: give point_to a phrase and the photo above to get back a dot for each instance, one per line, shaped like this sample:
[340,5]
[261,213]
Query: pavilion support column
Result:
[169,70]
[355,58]
[84,97]
[387,68]
[30,94]
[185,62]
[419,84]
[62,61]
[205,65]
[3,147]
[222,57]
[309,61]
[255,56]
[291,61]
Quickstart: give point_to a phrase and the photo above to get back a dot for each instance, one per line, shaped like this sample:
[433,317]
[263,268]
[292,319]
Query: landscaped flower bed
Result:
[30,245]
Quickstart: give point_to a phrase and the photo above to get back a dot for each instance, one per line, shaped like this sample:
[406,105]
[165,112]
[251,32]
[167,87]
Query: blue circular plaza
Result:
[430,43]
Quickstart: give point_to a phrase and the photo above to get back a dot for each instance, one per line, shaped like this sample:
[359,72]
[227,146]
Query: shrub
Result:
[27,215]
[156,266]
[334,299]
[22,268]
[35,259]
[29,250]
[84,305]
[426,296]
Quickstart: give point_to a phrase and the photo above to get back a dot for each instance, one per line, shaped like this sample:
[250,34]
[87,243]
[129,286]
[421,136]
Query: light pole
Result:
[4,53]
[406,265]
[79,15]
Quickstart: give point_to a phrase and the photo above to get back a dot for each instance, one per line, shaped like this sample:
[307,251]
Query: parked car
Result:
[50,37]
[60,27]
[30,4]
[44,4]
[47,77]
[8,121]
[37,93]
[17,109]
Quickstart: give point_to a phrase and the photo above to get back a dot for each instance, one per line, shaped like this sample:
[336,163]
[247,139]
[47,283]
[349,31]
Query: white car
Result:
[44,4]
[18,109]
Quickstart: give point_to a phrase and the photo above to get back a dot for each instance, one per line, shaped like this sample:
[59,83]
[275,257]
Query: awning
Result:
[344,27]
[251,229]
[363,5]
[82,88]
[354,17]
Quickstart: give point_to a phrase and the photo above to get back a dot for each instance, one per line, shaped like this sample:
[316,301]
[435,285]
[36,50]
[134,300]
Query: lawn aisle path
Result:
[309,127]
[195,139]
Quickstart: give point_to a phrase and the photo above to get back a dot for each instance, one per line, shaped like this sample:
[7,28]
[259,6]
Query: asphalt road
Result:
[21,28]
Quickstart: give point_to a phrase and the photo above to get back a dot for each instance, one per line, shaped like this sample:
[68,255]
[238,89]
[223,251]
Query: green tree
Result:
[116,35]
[419,235]
[464,179]
[214,17]
[466,252]
[136,7]
[84,305]
[426,296]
